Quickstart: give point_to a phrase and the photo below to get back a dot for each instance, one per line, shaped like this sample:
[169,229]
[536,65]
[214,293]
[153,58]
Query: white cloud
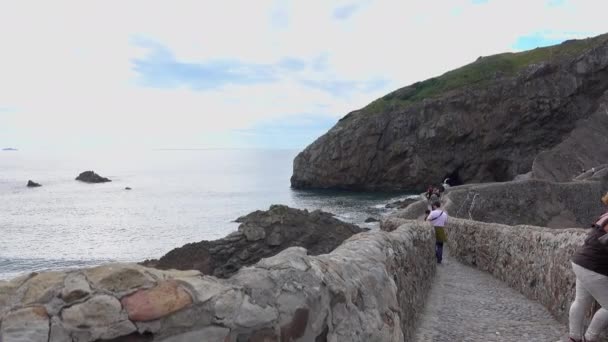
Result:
[66,65]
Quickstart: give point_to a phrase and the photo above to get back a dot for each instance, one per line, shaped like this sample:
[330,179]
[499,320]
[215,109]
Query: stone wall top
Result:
[533,260]
[369,289]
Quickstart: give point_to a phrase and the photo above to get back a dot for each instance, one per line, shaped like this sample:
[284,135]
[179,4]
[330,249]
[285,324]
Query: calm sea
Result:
[178,196]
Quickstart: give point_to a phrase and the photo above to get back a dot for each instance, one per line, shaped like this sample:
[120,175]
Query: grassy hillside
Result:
[480,71]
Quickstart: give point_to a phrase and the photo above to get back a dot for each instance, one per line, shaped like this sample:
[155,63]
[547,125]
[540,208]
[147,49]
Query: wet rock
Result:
[25,325]
[253,233]
[32,184]
[91,177]
[371,219]
[261,234]
[146,305]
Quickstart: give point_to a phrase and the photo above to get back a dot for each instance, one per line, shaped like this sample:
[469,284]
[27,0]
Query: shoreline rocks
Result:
[91,177]
[261,234]
[32,184]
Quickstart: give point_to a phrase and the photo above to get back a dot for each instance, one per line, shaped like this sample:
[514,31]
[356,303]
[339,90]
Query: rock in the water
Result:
[371,219]
[32,184]
[261,234]
[127,188]
[91,177]
[547,117]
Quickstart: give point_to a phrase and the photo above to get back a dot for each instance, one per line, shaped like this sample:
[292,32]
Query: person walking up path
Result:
[590,265]
[438,219]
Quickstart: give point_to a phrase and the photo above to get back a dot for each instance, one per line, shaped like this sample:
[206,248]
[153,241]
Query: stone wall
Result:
[371,288]
[535,202]
[533,260]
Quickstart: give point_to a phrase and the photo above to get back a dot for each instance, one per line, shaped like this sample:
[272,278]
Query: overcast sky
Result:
[232,74]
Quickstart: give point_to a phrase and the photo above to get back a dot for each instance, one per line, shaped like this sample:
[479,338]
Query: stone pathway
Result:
[466,304]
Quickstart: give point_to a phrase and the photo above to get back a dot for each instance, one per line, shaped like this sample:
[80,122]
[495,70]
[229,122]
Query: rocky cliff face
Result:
[543,111]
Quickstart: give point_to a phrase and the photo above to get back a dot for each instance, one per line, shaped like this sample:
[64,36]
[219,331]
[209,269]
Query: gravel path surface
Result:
[466,304]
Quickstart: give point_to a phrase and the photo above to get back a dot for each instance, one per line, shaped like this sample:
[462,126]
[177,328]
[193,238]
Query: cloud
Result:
[290,132]
[161,69]
[345,88]
[81,74]
[346,11]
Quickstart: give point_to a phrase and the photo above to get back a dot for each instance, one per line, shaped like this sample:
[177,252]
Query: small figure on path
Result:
[429,192]
[438,218]
[590,265]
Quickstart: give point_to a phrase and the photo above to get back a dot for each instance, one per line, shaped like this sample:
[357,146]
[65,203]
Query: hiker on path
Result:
[429,192]
[438,218]
[590,265]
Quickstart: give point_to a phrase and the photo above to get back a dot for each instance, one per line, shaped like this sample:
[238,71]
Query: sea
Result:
[177,197]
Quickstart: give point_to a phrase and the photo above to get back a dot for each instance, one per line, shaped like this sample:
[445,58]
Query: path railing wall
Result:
[533,260]
[371,288]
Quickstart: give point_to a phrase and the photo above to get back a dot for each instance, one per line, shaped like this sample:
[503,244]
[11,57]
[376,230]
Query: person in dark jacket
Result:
[590,265]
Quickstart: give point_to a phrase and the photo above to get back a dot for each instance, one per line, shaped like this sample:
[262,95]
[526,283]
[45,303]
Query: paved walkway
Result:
[466,304]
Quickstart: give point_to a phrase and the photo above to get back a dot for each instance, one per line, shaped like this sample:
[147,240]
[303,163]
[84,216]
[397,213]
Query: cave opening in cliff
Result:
[453,177]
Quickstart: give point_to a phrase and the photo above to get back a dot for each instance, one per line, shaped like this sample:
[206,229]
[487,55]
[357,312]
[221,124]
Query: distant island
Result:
[9,149]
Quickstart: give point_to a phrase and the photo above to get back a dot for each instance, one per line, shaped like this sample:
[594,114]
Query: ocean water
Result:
[178,196]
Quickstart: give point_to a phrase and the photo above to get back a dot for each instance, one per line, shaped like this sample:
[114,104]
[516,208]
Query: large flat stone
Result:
[42,286]
[75,287]
[25,325]
[118,278]
[99,311]
[165,298]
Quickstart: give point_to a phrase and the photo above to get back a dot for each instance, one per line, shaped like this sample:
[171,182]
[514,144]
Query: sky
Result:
[241,74]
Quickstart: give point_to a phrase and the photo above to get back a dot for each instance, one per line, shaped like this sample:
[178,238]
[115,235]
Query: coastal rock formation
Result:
[91,177]
[541,112]
[32,184]
[371,288]
[261,234]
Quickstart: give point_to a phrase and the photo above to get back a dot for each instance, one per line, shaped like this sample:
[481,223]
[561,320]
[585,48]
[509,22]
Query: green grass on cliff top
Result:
[480,71]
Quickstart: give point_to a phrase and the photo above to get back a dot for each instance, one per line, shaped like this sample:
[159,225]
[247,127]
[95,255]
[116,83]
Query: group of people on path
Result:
[589,263]
[437,217]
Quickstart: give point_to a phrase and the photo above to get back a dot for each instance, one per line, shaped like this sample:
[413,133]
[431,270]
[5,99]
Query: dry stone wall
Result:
[533,260]
[371,288]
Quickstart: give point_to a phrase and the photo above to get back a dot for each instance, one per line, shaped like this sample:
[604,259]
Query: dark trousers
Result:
[439,251]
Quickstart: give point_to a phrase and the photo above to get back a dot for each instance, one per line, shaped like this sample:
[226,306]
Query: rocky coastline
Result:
[295,275]
[261,234]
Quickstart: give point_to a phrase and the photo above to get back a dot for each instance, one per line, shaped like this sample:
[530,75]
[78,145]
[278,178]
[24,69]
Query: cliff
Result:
[540,112]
